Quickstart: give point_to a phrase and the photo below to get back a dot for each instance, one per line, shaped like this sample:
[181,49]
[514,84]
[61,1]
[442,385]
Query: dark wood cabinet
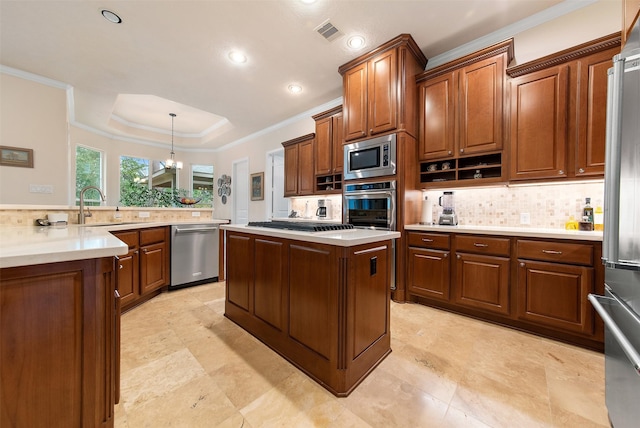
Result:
[558,113]
[537,285]
[379,91]
[323,307]
[483,273]
[554,280]
[539,115]
[329,151]
[429,265]
[58,360]
[144,270]
[461,114]
[299,166]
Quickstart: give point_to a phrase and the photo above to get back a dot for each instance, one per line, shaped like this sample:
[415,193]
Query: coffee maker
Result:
[448,216]
[323,208]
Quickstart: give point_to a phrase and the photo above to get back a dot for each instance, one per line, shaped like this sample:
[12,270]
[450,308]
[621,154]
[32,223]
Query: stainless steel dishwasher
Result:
[194,254]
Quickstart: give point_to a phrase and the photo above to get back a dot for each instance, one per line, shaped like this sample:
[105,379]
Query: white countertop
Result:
[531,232]
[340,238]
[32,245]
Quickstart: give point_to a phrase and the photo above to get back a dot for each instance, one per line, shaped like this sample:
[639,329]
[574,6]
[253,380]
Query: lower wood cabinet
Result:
[58,344]
[325,308]
[537,285]
[144,270]
[482,282]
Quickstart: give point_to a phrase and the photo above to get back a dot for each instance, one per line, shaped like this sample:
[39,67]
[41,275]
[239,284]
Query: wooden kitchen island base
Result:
[323,307]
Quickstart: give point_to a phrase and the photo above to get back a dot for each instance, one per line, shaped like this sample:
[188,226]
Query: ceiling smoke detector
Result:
[328,31]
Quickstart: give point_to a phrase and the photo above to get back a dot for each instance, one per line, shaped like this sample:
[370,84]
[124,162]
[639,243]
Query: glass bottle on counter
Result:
[598,218]
[587,211]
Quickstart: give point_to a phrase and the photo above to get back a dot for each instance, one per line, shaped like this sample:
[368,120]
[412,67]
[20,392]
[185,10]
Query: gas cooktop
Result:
[302,226]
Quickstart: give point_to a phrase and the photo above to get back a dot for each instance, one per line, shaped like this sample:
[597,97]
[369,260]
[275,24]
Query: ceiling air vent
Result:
[328,31]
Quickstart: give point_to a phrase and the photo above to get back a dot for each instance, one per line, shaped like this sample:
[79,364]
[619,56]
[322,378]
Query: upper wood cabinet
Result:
[298,166]
[328,151]
[558,112]
[461,104]
[379,93]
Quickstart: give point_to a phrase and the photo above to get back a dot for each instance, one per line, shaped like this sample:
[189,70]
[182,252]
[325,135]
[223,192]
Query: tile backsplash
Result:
[548,205]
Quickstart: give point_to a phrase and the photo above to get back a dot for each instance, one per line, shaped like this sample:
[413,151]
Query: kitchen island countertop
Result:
[529,232]
[32,245]
[341,238]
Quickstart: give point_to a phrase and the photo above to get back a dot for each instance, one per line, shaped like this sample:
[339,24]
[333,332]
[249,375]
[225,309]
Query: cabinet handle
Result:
[476,244]
[521,264]
[427,240]
[552,252]
[121,267]
[561,172]
[581,170]
[458,256]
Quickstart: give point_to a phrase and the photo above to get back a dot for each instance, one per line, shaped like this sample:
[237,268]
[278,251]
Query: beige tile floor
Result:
[185,365]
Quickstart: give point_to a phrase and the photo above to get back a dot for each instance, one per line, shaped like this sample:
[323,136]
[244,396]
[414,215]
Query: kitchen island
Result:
[319,299]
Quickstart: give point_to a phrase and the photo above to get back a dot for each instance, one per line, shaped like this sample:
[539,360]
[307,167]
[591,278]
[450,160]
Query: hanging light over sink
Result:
[171,163]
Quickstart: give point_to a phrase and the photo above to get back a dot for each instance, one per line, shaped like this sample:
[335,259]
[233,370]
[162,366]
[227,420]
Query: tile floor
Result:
[185,365]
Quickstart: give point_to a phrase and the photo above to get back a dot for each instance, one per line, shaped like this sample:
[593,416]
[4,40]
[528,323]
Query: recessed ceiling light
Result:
[355,42]
[237,57]
[294,88]
[111,16]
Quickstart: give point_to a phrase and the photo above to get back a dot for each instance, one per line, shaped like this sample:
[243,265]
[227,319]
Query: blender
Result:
[448,216]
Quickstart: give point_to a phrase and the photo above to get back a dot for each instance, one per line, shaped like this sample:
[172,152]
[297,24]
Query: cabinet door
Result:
[355,102]
[153,267]
[240,249]
[437,117]
[338,143]
[383,93]
[127,277]
[539,106]
[481,87]
[482,282]
[291,170]
[324,146]
[429,273]
[555,295]
[590,132]
[306,177]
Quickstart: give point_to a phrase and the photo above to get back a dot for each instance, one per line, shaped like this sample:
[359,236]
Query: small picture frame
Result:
[257,186]
[16,156]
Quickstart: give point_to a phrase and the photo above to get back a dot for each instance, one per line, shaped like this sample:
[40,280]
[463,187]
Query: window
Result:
[145,183]
[89,172]
[202,185]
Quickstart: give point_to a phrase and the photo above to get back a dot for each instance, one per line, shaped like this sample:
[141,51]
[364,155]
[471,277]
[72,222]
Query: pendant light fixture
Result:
[171,163]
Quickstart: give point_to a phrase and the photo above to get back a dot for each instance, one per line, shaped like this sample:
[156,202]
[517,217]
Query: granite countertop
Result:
[32,245]
[530,232]
[340,238]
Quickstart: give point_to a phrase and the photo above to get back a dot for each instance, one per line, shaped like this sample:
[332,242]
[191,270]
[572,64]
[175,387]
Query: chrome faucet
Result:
[81,214]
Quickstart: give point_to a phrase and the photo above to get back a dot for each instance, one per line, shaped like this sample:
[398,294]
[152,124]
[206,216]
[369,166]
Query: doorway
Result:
[240,194]
[277,205]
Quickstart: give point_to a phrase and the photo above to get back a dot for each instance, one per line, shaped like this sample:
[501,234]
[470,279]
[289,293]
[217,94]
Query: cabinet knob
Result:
[581,170]
[461,150]
[121,267]
[449,151]
[458,256]
[446,255]
[135,252]
[521,264]
[561,172]
[371,131]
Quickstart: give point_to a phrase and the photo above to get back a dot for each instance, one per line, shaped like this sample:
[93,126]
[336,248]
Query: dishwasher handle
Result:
[196,229]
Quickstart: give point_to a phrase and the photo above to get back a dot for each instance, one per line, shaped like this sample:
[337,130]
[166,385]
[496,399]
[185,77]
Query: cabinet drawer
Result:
[130,238]
[560,252]
[429,240]
[151,236]
[483,245]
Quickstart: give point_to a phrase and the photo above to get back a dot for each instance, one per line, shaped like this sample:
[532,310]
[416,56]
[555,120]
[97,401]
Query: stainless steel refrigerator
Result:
[620,306]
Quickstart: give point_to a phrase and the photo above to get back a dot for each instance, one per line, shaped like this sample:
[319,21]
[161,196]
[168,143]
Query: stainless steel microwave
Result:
[370,158]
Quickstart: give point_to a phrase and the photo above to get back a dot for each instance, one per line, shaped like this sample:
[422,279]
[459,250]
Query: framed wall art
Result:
[257,186]
[16,156]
